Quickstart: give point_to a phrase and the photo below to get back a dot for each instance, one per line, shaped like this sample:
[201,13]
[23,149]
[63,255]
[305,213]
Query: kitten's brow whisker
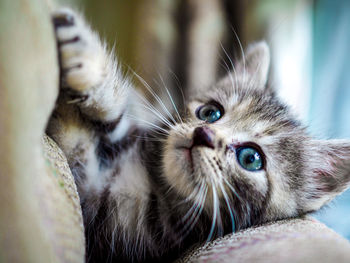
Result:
[178,85]
[232,65]
[242,52]
[171,99]
[229,73]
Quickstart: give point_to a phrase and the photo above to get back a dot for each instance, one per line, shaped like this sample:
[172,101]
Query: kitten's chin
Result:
[182,166]
[178,167]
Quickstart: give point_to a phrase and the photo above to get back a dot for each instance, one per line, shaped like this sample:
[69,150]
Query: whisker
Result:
[232,65]
[150,90]
[192,195]
[178,85]
[148,139]
[107,217]
[239,198]
[195,205]
[216,214]
[148,123]
[196,214]
[161,118]
[171,99]
[195,211]
[232,189]
[219,219]
[154,110]
[229,207]
[242,52]
[229,73]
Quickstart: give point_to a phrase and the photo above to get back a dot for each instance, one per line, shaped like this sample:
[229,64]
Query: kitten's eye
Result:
[209,112]
[249,158]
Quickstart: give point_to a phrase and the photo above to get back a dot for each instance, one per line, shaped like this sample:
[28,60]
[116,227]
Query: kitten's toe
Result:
[80,52]
[63,19]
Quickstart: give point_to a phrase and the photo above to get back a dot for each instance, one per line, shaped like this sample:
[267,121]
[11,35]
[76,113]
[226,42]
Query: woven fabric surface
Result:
[294,240]
[61,209]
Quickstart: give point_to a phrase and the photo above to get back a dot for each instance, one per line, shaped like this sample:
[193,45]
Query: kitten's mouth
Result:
[191,152]
[202,140]
[187,153]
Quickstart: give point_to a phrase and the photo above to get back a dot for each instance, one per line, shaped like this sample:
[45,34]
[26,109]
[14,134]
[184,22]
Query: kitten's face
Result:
[239,152]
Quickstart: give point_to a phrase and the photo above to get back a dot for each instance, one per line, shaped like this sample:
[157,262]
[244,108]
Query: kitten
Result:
[236,157]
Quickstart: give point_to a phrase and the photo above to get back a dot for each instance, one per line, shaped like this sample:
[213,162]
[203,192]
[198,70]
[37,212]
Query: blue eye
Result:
[209,113]
[249,158]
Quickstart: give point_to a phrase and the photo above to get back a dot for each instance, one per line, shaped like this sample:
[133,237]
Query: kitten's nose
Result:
[203,136]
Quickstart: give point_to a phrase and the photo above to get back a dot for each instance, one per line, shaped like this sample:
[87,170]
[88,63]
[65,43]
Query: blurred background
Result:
[189,43]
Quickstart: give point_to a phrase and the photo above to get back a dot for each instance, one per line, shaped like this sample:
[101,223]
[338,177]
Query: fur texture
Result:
[151,189]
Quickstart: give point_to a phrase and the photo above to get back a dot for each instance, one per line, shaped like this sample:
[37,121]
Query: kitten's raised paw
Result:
[81,54]
[63,19]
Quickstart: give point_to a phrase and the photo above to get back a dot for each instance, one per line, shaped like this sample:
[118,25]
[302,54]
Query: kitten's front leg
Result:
[89,73]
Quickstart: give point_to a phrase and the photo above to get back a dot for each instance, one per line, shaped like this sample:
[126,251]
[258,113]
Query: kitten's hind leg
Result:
[90,74]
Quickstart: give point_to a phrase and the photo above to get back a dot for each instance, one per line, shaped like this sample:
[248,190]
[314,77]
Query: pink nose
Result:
[203,136]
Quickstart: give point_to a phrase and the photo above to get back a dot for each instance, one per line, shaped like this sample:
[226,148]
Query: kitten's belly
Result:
[129,176]
[123,191]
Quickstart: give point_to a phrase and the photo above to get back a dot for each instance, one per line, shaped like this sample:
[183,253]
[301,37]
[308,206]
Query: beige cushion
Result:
[61,209]
[294,240]
[40,217]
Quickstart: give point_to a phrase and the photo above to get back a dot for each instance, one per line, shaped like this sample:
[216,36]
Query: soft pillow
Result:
[294,240]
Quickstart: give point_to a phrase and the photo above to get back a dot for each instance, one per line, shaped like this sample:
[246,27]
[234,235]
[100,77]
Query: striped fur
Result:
[146,190]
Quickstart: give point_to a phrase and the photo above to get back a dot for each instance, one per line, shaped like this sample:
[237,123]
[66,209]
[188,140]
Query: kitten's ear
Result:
[256,63]
[328,163]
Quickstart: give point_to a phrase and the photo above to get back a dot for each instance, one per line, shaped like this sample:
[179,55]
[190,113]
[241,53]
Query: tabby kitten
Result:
[234,158]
